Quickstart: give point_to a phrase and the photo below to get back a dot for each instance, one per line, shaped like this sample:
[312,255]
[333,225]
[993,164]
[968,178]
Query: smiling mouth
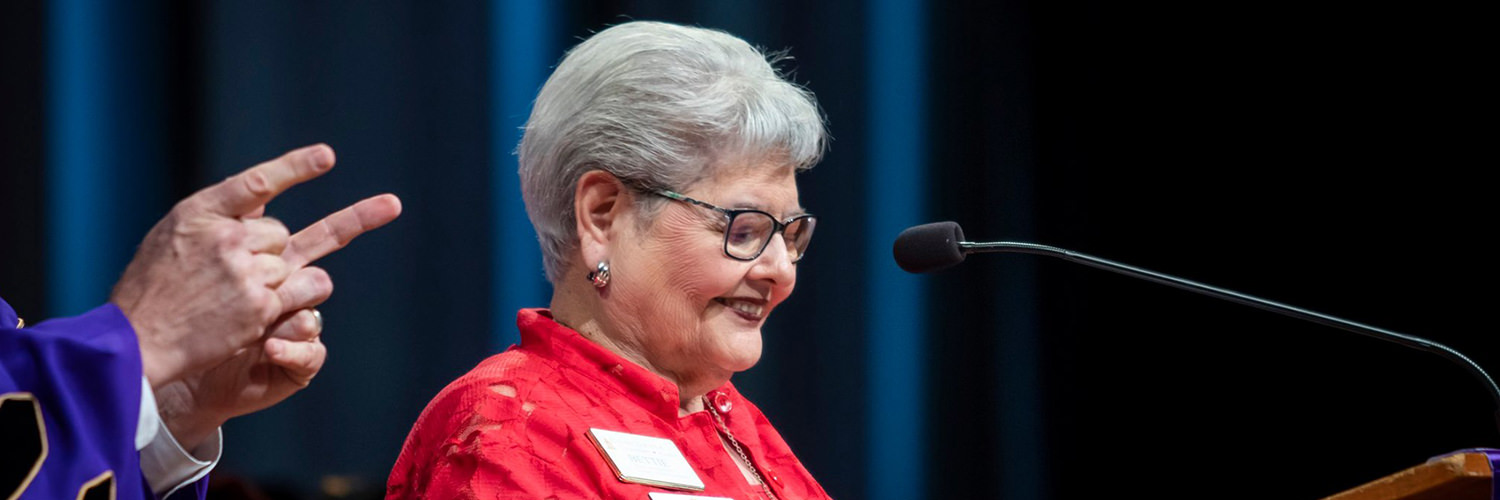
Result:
[748,309]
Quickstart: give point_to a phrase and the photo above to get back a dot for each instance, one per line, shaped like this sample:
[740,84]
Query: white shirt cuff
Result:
[145,428]
[165,464]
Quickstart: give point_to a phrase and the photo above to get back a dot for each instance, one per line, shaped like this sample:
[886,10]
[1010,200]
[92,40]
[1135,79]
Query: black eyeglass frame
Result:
[729,215]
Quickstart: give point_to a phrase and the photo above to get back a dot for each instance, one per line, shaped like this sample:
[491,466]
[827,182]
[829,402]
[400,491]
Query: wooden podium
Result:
[1459,476]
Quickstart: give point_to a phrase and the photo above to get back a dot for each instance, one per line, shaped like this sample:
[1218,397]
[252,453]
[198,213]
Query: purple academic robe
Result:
[70,398]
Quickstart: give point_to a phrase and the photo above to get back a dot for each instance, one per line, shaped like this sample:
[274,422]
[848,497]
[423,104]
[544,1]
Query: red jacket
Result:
[515,427]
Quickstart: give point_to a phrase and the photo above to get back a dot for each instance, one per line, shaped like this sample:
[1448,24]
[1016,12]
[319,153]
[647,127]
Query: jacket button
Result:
[722,402]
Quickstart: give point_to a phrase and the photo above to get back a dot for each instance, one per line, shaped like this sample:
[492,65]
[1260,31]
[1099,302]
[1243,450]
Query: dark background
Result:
[1324,155]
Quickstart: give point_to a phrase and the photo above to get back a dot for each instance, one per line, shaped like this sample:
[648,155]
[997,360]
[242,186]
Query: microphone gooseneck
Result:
[939,245]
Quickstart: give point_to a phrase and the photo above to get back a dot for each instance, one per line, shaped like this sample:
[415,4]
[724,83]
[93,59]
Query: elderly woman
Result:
[658,170]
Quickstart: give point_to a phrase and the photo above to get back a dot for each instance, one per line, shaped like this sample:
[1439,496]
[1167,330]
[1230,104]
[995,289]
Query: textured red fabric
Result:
[514,427]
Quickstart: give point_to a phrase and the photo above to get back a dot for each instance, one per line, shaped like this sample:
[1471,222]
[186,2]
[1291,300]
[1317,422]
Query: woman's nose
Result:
[775,263]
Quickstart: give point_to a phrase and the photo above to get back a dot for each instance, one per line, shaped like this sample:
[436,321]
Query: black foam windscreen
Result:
[929,247]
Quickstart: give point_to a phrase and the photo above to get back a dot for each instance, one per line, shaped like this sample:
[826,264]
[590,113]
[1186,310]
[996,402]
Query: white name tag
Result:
[646,460]
[657,495]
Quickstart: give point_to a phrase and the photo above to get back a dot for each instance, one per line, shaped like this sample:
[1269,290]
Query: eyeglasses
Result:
[747,232]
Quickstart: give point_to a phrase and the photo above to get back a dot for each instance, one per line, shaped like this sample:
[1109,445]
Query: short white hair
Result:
[657,105]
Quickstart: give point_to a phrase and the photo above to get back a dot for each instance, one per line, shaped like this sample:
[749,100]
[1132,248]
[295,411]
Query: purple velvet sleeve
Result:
[1494,456]
[83,376]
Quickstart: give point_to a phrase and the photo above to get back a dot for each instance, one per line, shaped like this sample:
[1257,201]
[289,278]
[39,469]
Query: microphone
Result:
[930,247]
[940,245]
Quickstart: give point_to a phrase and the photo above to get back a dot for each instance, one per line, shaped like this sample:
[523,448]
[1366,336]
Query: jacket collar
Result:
[542,334]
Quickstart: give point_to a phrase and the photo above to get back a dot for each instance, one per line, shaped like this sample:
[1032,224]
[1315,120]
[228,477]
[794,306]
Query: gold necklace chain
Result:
[729,436]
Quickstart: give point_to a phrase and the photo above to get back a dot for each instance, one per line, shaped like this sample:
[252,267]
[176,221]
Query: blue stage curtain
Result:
[108,147]
[896,185]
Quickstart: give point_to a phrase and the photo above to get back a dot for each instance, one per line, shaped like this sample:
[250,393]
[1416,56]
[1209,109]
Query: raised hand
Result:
[291,352]
[202,284]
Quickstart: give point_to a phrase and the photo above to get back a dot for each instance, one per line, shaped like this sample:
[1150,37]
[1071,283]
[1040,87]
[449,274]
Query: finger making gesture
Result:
[221,296]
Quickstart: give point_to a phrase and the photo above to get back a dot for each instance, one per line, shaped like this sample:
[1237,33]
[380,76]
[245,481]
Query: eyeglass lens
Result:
[750,232]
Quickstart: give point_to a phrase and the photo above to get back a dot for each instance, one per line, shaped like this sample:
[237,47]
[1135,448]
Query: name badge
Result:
[646,460]
[657,495]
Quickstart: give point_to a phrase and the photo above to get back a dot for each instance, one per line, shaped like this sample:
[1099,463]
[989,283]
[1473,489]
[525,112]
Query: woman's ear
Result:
[600,202]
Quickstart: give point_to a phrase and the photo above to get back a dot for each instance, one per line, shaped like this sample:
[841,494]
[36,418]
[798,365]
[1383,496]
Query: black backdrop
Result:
[1325,155]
